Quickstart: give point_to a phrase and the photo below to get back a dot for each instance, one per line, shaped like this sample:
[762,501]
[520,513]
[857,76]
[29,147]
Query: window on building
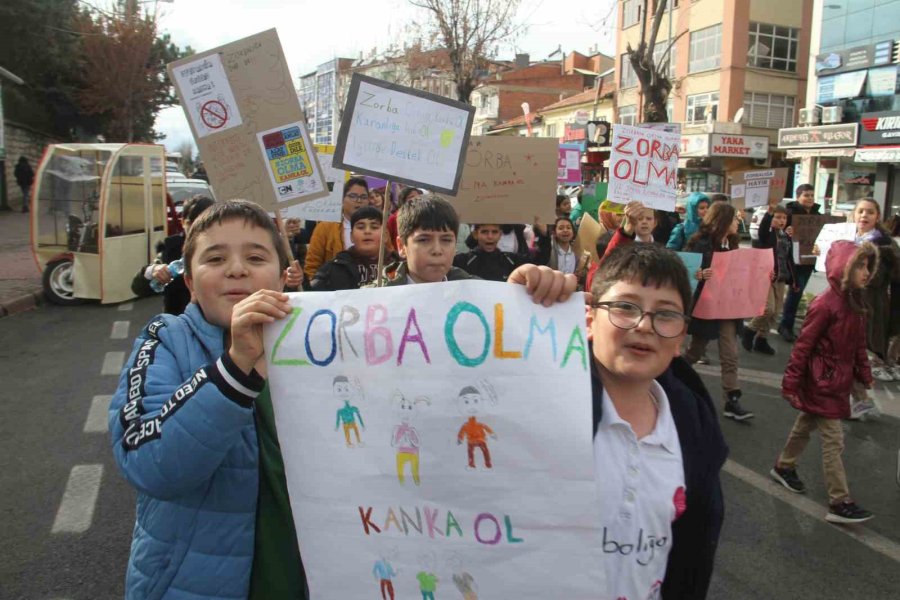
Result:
[773,47]
[706,49]
[701,107]
[550,130]
[631,12]
[770,111]
[670,4]
[658,50]
[629,78]
[628,115]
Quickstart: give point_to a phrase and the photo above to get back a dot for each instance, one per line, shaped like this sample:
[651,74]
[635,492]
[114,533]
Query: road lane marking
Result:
[120,330]
[96,420]
[860,533]
[126,306]
[112,363]
[76,511]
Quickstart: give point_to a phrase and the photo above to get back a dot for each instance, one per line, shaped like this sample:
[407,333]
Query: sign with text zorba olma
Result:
[643,166]
[427,448]
[403,135]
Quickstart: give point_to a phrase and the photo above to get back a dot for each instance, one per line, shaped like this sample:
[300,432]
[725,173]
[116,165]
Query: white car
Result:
[182,189]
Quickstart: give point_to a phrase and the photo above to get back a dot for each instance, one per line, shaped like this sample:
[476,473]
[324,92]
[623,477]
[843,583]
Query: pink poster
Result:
[738,287]
[569,164]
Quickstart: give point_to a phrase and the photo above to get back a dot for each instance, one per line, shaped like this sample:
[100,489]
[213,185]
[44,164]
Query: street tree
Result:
[470,31]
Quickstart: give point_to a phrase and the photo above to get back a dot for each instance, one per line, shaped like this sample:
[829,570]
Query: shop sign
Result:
[694,145]
[818,136]
[880,128]
[744,146]
[854,59]
[581,117]
[877,155]
[575,133]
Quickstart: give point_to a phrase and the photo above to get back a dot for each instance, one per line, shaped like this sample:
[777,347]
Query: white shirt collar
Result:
[664,433]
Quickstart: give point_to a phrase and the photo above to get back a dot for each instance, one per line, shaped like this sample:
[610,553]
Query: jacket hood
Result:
[692,217]
[840,255]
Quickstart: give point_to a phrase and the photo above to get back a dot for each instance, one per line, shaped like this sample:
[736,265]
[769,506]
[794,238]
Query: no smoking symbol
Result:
[214,114]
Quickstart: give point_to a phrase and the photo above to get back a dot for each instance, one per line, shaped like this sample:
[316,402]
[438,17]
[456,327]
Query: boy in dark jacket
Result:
[804,205]
[487,261]
[756,333]
[657,440]
[358,266]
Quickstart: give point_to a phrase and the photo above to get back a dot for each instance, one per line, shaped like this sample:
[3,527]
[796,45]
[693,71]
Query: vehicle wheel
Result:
[59,286]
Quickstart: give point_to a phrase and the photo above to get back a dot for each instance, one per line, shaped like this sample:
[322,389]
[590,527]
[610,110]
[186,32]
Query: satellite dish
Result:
[739,115]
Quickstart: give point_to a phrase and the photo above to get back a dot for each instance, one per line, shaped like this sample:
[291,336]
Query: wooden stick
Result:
[384,221]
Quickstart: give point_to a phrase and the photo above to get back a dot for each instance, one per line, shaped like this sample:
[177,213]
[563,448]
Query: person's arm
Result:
[359,416]
[169,434]
[619,238]
[818,317]
[862,369]
[676,238]
[461,434]
[315,252]
[765,233]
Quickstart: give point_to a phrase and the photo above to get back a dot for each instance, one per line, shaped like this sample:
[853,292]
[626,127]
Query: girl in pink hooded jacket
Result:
[827,358]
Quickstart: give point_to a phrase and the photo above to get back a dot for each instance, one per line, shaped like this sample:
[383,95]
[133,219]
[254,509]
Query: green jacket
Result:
[277,569]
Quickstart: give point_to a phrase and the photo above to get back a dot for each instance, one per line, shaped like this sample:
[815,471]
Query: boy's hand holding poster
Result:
[427,447]
[738,287]
[643,166]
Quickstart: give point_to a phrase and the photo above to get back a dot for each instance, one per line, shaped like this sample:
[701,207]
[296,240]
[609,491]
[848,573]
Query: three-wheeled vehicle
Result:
[97,214]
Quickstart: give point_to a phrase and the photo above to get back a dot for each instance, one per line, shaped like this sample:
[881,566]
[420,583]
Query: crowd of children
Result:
[192,422]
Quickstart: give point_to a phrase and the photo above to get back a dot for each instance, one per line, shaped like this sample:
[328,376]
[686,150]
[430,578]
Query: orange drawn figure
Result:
[471,402]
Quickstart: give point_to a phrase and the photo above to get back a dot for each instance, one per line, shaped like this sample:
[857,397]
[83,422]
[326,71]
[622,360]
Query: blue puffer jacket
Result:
[183,434]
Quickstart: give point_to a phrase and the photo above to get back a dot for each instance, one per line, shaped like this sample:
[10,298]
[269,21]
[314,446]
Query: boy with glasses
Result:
[329,239]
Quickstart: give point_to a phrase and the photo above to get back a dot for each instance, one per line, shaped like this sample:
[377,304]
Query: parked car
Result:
[182,189]
[757,216]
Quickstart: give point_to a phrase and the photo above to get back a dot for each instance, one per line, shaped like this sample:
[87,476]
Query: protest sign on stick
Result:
[589,231]
[830,233]
[507,180]
[739,285]
[329,207]
[806,229]
[422,429]
[247,122]
[758,187]
[643,166]
[403,134]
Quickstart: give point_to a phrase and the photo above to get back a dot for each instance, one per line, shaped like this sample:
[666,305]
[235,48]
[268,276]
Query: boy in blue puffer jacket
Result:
[182,421]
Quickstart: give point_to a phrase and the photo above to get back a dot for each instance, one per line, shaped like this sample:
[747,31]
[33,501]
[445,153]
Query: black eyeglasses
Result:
[358,198]
[626,315]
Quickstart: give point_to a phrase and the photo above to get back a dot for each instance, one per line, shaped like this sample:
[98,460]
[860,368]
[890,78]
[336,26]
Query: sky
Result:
[315,32]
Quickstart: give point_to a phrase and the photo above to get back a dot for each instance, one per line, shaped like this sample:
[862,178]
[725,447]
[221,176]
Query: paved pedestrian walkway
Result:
[20,280]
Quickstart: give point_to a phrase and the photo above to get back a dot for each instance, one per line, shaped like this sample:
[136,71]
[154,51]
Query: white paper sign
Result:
[832,232]
[328,208]
[756,193]
[644,166]
[426,441]
[208,96]
[737,191]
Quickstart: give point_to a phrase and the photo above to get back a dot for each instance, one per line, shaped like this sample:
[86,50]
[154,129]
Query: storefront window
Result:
[841,183]
[703,181]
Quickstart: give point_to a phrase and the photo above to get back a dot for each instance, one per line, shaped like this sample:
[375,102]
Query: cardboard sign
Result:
[806,229]
[329,207]
[692,263]
[644,166]
[830,233]
[589,231]
[569,164]
[775,180]
[403,134]
[246,119]
[508,180]
[426,443]
[739,285]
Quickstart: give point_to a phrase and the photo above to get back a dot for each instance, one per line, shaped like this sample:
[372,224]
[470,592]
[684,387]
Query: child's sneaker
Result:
[703,360]
[733,408]
[761,345]
[847,512]
[789,479]
[894,371]
[882,374]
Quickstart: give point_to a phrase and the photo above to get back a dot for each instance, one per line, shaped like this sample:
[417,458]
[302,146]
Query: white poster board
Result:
[756,193]
[832,232]
[403,135]
[207,96]
[385,399]
[643,166]
[329,207]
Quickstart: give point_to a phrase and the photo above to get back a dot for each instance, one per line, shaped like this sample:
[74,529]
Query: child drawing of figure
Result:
[384,572]
[472,403]
[347,414]
[427,584]
[405,437]
[463,580]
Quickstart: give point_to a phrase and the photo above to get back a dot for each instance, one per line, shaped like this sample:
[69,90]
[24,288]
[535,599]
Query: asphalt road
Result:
[67,514]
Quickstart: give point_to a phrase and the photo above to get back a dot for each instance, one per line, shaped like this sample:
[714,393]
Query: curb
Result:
[21,303]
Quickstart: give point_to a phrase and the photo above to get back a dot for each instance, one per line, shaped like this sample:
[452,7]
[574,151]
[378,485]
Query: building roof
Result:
[582,98]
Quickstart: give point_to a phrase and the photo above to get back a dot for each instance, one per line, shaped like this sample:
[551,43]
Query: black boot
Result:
[733,408]
[747,339]
[762,345]
[787,334]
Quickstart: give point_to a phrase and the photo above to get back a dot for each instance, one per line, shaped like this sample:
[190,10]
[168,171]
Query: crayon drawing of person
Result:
[384,573]
[427,584]
[471,403]
[405,438]
[347,414]
[462,579]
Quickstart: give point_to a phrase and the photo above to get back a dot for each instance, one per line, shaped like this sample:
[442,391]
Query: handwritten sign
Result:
[507,180]
[741,186]
[425,442]
[644,166]
[569,166]
[739,285]
[403,134]
[329,207]
[692,262]
[589,231]
[830,233]
[251,132]
[806,229]
[756,193]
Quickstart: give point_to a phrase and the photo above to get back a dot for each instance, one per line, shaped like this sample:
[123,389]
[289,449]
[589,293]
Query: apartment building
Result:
[739,72]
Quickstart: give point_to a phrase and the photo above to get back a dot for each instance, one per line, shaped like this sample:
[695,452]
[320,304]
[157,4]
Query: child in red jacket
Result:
[828,357]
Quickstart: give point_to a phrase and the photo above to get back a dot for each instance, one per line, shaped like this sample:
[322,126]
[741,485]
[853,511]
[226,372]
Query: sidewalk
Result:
[20,280]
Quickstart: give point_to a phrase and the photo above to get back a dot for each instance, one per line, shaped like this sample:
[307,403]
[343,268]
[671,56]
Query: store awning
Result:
[878,154]
[821,152]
